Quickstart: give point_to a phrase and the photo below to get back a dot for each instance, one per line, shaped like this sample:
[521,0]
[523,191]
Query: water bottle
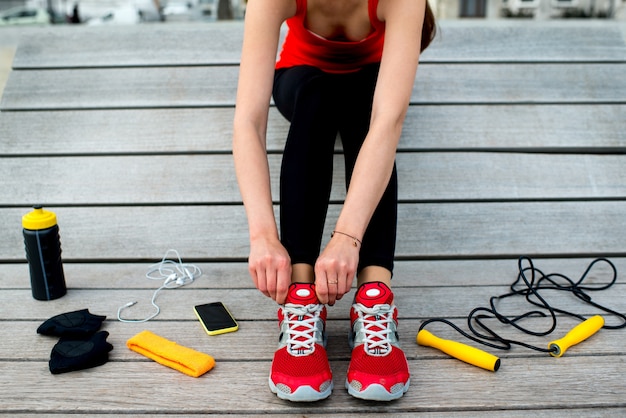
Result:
[43,252]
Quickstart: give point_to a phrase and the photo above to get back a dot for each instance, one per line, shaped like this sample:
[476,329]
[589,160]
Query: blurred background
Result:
[99,12]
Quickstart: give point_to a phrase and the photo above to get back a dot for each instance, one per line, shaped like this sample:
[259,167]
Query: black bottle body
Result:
[43,252]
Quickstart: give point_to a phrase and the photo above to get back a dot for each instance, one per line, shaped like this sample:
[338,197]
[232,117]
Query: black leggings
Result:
[319,105]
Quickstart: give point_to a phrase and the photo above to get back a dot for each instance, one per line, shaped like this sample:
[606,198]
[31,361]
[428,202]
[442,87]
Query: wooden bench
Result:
[514,144]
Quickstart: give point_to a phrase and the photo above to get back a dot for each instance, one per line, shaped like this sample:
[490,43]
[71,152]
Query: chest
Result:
[345,20]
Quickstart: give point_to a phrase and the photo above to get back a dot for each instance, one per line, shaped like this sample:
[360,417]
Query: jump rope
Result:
[532,284]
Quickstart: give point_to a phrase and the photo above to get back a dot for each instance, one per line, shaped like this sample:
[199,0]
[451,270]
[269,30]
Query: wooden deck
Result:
[515,144]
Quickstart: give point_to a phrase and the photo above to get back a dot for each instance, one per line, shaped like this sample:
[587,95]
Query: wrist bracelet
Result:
[347,235]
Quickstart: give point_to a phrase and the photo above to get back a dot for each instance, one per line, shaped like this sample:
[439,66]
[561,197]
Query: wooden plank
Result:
[121,180]
[181,179]
[526,41]
[256,341]
[220,43]
[434,230]
[108,131]
[407,273]
[132,45]
[560,128]
[526,83]
[176,305]
[549,228]
[434,381]
[249,305]
[122,88]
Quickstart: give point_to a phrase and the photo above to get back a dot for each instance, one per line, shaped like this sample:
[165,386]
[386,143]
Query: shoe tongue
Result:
[302,294]
[374,293]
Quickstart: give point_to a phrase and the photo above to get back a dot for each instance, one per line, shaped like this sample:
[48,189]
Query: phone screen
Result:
[215,318]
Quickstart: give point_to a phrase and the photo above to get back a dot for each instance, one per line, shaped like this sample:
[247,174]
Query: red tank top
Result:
[303,47]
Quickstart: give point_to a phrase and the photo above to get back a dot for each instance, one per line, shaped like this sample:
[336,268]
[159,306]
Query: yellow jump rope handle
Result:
[460,351]
[577,334]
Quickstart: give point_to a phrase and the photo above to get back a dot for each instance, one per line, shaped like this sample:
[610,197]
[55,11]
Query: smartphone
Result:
[216,318]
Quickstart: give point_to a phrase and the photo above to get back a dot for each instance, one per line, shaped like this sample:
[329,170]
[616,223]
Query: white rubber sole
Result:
[302,394]
[376,392]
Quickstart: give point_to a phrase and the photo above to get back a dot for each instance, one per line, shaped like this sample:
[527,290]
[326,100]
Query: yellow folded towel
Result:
[170,354]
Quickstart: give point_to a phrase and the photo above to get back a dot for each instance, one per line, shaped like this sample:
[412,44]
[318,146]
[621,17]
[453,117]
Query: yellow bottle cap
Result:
[39,219]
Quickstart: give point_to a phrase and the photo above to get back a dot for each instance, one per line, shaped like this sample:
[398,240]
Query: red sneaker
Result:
[300,371]
[378,368]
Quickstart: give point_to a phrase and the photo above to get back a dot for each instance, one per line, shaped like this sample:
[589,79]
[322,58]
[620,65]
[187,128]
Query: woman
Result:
[348,68]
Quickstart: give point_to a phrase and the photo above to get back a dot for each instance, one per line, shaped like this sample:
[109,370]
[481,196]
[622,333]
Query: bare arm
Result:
[403,19]
[269,262]
[391,99]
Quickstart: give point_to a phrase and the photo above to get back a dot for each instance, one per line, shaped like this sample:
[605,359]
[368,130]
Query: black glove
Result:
[71,354]
[72,324]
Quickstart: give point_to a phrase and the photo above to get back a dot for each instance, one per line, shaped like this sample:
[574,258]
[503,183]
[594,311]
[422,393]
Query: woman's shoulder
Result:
[386,8]
[283,9]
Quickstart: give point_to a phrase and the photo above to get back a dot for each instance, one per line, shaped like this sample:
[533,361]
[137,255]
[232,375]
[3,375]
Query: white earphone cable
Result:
[175,274]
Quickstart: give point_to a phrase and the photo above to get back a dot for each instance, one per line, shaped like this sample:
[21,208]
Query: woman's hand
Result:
[270,267]
[335,268]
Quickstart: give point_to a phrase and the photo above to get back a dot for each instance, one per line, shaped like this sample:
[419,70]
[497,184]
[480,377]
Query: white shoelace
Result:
[375,330]
[302,326]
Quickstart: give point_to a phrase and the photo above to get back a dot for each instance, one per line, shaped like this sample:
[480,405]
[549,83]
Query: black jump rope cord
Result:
[530,289]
